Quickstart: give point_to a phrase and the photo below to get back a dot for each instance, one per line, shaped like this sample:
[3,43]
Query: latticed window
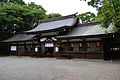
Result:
[21,48]
[93,46]
[81,46]
[98,44]
[76,46]
[29,48]
[13,48]
[88,45]
[72,45]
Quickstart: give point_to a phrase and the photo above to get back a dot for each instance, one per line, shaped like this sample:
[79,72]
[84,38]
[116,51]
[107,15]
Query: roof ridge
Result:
[57,18]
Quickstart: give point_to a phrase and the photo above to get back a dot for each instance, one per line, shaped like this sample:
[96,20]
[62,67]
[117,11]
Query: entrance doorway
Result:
[49,49]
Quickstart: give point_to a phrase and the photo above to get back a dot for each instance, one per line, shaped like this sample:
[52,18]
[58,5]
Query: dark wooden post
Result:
[33,49]
[57,54]
[24,53]
[84,49]
[105,49]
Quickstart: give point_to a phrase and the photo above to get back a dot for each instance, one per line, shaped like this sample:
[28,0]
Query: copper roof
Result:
[88,29]
[53,24]
[20,38]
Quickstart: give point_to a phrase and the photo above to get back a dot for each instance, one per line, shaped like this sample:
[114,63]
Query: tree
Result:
[95,3]
[110,13]
[86,17]
[35,6]
[39,8]
[17,18]
[53,15]
[4,1]
[17,1]
[14,1]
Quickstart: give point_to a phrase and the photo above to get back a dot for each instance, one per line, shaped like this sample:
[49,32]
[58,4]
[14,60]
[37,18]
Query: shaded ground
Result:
[25,68]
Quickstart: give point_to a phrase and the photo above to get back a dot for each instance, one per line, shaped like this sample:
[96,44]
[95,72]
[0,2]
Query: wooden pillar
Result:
[57,54]
[33,49]
[24,53]
[17,51]
[84,48]
[42,49]
[105,49]
[10,52]
[102,48]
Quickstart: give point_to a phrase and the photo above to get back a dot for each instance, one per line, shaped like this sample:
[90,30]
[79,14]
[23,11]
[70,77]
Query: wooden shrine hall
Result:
[65,37]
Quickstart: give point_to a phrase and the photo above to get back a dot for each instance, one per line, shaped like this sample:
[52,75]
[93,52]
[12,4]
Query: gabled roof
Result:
[45,25]
[53,24]
[20,38]
[88,29]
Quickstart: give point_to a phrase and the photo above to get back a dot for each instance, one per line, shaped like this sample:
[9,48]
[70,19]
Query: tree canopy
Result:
[15,17]
[86,17]
[95,3]
[53,15]
[108,13]
[14,1]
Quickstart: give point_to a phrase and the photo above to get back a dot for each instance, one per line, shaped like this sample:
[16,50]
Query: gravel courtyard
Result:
[26,68]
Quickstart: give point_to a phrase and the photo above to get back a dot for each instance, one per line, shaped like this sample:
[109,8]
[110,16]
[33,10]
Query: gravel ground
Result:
[26,68]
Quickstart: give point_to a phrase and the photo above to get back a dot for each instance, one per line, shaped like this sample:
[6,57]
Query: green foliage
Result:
[16,18]
[14,1]
[95,3]
[53,15]
[110,13]
[86,17]
[35,6]
[17,1]
[3,0]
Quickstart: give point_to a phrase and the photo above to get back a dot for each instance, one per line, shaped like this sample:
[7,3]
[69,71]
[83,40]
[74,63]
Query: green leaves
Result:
[53,15]
[21,2]
[15,18]
[95,3]
[109,13]
[86,17]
